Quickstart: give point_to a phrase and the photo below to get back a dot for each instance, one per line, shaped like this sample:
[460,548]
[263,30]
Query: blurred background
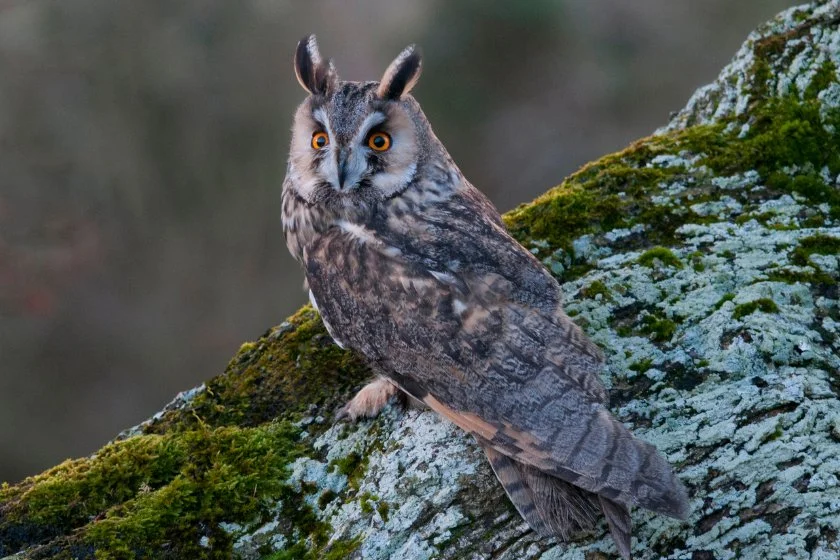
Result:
[143,145]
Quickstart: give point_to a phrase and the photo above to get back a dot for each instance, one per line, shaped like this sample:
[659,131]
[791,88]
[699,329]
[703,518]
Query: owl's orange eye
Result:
[379,141]
[320,140]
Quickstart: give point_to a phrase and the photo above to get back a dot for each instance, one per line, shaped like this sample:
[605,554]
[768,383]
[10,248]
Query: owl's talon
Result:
[342,413]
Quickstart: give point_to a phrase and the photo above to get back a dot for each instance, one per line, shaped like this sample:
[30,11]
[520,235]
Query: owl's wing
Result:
[471,325]
[543,416]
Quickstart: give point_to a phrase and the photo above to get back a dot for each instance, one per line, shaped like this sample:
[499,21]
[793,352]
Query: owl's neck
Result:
[304,221]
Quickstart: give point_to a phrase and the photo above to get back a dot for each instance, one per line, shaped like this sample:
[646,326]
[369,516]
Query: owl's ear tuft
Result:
[401,75]
[315,75]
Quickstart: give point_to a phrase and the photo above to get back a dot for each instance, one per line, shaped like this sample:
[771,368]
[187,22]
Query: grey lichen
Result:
[796,53]
[712,286]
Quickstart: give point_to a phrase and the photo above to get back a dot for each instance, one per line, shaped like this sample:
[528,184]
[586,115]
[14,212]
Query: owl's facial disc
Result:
[356,143]
[373,154]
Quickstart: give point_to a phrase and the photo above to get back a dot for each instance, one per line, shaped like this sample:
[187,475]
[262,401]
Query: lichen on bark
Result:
[703,260]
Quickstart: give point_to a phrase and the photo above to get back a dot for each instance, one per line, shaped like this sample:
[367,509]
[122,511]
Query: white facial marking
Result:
[329,165]
[392,181]
[321,117]
[371,121]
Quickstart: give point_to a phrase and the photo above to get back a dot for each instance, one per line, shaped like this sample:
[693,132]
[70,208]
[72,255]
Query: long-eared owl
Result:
[411,267]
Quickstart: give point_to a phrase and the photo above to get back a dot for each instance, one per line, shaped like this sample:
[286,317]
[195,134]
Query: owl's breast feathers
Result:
[464,318]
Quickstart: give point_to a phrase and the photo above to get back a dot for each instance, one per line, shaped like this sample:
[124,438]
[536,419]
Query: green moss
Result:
[783,133]
[315,539]
[298,551]
[366,501]
[776,433]
[154,491]
[326,497]
[66,497]
[606,194]
[696,260]
[767,52]
[783,227]
[579,209]
[382,509]
[801,256]
[800,277]
[760,77]
[815,244]
[337,550]
[353,466]
[299,520]
[824,77]
[761,218]
[290,369]
[595,288]
[220,458]
[726,297]
[660,329]
[815,221]
[764,305]
[340,550]
[348,464]
[641,366]
[246,347]
[661,254]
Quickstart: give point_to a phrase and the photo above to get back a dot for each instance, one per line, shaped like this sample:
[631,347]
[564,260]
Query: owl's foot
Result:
[370,400]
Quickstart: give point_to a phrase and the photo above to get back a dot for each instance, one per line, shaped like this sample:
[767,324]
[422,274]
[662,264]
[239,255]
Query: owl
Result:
[411,267]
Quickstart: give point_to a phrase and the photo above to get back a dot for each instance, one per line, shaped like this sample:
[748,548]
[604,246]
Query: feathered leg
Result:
[370,400]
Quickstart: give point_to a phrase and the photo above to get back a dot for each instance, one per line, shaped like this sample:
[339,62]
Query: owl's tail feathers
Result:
[618,518]
[554,507]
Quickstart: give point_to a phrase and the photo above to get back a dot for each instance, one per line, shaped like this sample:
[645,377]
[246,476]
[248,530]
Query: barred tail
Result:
[618,518]
[554,507]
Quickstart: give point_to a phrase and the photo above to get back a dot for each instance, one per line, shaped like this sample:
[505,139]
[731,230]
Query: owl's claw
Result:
[343,413]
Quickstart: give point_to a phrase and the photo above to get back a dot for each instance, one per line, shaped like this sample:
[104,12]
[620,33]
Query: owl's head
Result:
[357,142]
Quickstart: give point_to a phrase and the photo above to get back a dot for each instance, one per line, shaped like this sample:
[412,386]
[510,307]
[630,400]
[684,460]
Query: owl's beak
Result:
[342,168]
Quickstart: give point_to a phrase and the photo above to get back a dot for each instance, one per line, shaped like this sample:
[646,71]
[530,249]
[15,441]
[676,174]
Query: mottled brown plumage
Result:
[411,267]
